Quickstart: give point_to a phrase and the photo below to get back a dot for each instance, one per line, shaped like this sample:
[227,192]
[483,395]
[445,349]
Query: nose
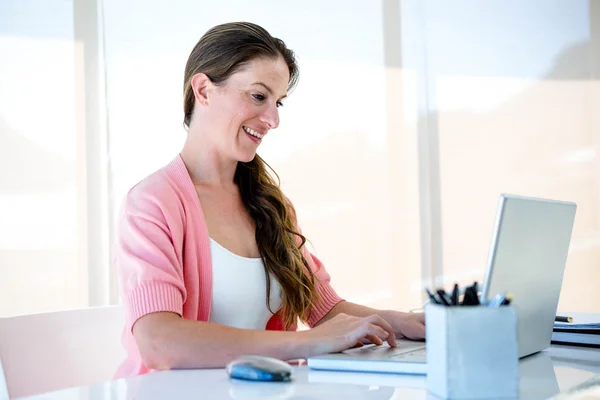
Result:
[270,116]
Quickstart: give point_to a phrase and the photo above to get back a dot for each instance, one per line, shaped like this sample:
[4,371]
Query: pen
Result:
[470,298]
[454,297]
[563,319]
[432,297]
[507,300]
[442,295]
[475,293]
[498,300]
[467,297]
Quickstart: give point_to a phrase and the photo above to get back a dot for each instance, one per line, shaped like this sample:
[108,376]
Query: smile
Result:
[249,131]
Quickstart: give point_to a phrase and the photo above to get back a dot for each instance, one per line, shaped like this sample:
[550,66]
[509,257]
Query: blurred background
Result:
[410,118]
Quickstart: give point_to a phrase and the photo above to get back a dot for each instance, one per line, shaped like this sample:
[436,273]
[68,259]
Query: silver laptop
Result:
[527,258]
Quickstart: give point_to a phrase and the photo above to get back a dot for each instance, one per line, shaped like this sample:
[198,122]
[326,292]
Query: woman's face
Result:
[244,109]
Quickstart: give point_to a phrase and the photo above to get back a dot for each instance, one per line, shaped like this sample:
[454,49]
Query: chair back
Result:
[50,351]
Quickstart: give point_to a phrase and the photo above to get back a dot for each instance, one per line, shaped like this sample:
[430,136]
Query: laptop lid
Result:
[527,258]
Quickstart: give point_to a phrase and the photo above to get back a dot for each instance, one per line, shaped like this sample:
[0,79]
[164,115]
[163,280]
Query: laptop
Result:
[527,258]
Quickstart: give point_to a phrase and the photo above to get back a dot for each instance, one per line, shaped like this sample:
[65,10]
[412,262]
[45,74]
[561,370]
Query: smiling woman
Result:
[248,98]
[229,108]
[211,261]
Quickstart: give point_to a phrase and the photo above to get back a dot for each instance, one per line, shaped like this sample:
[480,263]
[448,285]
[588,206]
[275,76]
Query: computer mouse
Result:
[259,368]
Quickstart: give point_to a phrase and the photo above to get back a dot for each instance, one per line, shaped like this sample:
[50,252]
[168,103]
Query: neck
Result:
[204,163]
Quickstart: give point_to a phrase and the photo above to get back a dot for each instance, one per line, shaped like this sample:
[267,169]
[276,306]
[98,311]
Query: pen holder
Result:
[472,352]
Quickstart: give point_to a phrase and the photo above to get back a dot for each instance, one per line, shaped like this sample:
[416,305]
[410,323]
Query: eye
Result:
[259,97]
[279,104]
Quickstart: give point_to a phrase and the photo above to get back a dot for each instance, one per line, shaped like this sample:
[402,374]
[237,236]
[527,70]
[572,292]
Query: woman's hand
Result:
[406,325]
[345,331]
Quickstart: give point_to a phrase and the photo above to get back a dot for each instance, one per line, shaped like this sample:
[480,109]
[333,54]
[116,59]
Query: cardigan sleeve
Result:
[149,271]
[328,297]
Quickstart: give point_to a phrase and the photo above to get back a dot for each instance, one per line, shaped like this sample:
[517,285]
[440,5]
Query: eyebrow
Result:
[267,88]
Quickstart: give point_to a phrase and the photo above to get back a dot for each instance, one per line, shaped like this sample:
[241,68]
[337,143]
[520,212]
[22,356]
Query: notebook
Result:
[584,330]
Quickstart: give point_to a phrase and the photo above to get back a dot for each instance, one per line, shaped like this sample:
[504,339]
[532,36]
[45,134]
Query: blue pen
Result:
[497,301]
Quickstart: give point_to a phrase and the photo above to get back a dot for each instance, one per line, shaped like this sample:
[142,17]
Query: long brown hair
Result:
[222,51]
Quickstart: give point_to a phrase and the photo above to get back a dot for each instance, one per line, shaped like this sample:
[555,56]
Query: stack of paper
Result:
[584,330]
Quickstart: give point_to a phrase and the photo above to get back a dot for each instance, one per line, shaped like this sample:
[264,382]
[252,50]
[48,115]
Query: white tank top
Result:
[239,295]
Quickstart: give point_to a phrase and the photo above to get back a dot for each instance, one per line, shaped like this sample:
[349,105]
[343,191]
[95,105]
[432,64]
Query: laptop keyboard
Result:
[420,354]
[398,353]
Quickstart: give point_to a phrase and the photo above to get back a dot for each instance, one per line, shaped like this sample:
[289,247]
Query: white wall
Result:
[39,192]
[410,118]
[513,93]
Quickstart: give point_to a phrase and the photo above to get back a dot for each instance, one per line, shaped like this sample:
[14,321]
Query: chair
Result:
[3,386]
[57,350]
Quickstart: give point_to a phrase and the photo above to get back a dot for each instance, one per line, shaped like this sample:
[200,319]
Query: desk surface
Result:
[542,375]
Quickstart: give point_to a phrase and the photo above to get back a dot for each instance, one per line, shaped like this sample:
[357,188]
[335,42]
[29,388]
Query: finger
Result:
[391,336]
[375,330]
[365,341]
[374,339]
[392,340]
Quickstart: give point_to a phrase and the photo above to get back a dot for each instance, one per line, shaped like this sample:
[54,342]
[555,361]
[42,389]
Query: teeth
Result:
[253,133]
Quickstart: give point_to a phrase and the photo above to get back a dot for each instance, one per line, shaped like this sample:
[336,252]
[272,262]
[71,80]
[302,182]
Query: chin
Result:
[245,158]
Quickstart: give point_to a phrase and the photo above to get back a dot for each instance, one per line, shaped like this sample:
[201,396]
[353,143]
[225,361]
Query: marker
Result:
[563,319]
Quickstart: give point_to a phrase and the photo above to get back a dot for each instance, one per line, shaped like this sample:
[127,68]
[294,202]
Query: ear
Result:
[201,85]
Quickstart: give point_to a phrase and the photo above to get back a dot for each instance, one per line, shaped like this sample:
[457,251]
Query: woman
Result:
[199,237]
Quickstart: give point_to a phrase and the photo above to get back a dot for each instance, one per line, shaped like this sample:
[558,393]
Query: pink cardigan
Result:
[163,260]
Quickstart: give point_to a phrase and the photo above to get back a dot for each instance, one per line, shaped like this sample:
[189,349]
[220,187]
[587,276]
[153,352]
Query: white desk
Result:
[542,375]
